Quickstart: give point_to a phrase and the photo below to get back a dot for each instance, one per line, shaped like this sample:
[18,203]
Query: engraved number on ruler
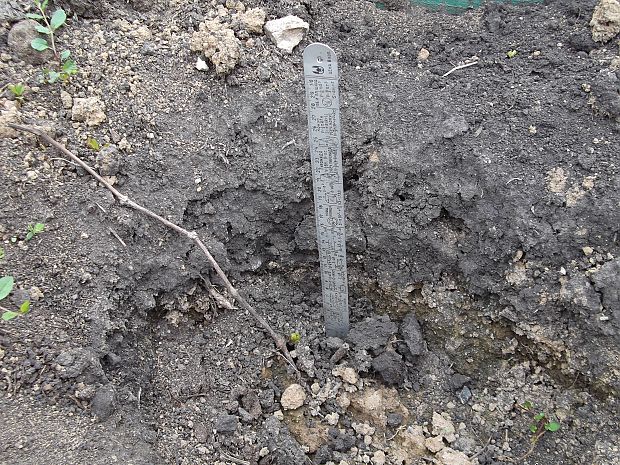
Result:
[321,79]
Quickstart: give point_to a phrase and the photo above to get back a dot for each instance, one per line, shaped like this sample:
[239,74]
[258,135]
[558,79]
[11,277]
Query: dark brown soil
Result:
[484,204]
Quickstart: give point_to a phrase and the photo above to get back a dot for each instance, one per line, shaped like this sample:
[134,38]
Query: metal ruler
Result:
[321,76]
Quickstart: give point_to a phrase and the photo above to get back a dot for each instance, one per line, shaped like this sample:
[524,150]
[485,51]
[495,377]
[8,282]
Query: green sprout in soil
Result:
[294,338]
[18,91]
[93,144]
[33,230]
[48,26]
[511,53]
[540,425]
[6,286]
[2,254]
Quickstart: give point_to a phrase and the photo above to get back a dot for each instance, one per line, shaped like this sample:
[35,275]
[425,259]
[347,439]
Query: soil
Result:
[482,221]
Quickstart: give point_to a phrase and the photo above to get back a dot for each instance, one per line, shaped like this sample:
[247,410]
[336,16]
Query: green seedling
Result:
[294,337]
[511,53]
[2,253]
[6,286]
[93,144]
[541,425]
[48,27]
[33,230]
[18,91]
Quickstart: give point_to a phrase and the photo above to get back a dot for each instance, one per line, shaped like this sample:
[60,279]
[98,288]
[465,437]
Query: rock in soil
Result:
[412,333]
[293,397]
[283,449]
[391,367]
[371,333]
[19,39]
[103,404]
[605,20]
[9,114]
[219,44]
[252,20]
[450,456]
[109,160]
[286,32]
[226,424]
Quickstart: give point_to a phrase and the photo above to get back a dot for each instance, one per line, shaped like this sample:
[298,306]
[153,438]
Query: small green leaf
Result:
[17,89]
[65,54]
[33,16]
[539,417]
[533,428]
[9,315]
[38,228]
[52,76]
[42,29]
[58,19]
[6,286]
[93,144]
[25,307]
[44,5]
[69,67]
[2,254]
[39,44]
[29,236]
[527,405]
[552,426]
[511,53]
[295,337]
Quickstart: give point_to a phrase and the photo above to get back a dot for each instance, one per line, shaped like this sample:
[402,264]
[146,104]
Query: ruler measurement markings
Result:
[324,137]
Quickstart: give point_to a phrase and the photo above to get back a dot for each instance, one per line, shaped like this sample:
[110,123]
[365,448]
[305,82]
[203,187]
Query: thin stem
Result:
[51,34]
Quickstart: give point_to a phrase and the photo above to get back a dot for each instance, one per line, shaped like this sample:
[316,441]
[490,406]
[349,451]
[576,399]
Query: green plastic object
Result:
[457,6]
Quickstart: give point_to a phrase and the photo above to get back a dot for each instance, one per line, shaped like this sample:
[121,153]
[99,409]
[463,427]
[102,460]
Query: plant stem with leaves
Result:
[49,27]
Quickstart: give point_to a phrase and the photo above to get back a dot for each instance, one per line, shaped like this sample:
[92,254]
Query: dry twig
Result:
[456,68]
[278,339]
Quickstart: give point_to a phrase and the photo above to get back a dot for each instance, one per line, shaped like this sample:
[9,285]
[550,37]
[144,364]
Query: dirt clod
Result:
[90,110]
[605,20]
[293,397]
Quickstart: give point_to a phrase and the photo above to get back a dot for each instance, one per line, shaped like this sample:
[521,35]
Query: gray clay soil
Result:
[483,216]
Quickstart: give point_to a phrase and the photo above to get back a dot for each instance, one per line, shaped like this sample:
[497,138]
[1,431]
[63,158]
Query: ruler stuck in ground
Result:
[321,79]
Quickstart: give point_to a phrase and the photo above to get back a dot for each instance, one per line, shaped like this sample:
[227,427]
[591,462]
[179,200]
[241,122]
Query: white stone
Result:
[348,374]
[293,397]
[450,456]
[423,54]
[443,427]
[363,429]
[434,444]
[332,418]
[201,65]
[378,458]
[286,32]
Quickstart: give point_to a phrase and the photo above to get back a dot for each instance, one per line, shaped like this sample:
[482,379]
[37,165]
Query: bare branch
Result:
[278,339]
